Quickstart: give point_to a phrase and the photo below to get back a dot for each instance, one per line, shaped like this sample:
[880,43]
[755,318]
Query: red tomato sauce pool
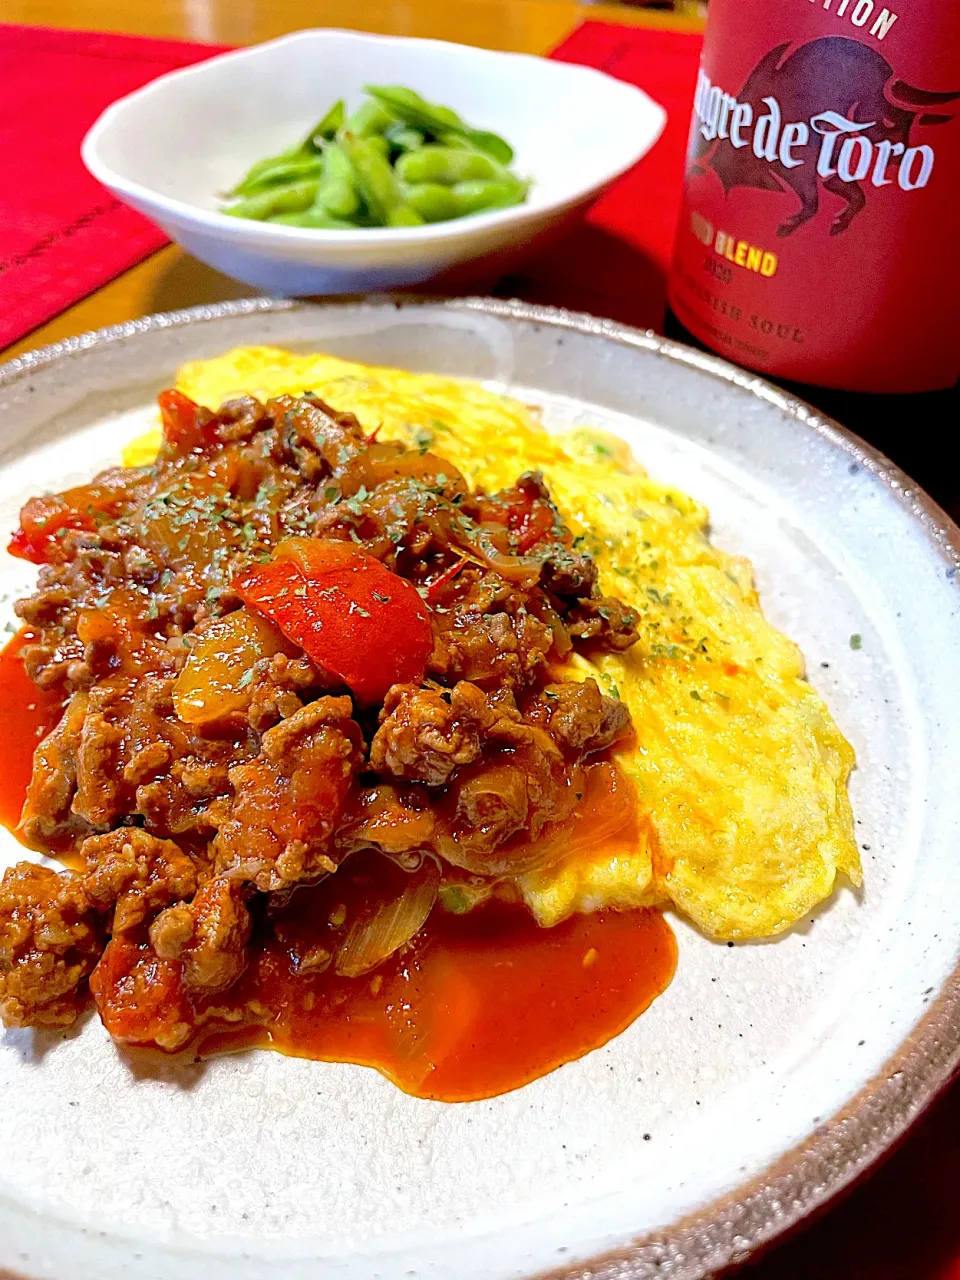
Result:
[483,1004]
[480,1004]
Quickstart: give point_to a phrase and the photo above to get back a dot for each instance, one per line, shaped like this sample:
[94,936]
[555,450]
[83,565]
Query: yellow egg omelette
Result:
[741,772]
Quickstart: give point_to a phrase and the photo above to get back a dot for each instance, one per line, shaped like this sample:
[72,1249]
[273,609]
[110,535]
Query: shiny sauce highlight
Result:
[478,1004]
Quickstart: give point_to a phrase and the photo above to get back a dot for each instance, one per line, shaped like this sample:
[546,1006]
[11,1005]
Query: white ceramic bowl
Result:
[171,146]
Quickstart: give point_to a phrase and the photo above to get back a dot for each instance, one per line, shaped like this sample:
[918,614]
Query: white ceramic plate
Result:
[168,148]
[760,1083]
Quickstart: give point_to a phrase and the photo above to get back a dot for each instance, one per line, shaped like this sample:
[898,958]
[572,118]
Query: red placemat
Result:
[616,263]
[62,235]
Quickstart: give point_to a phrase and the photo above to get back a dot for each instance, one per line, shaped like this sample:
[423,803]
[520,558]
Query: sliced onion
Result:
[607,811]
[494,802]
[561,639]
[373,937]
[524,570]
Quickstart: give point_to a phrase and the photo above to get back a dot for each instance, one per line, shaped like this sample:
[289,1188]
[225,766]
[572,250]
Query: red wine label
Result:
[819,237]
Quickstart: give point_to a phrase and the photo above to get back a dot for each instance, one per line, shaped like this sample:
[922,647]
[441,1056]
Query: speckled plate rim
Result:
[725,1232]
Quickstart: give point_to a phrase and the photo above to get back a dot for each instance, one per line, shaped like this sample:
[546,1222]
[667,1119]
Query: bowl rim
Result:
[846,1144]
[244,229]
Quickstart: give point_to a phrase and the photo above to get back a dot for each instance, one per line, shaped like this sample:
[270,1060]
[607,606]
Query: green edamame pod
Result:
[279,171]
[404,216]
[369,119]
[433,201]
[491,143]
[447,165]
[304,151]
[328,127]
[403,137]
[248,183]
[378,182]
[478,196]
[456,140]
[337,193]
[428,116]
[270,168]
[293,197]
[407,105]
[317,219]
[397,160]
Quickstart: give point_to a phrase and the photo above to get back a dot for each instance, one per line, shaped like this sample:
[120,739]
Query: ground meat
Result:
[315,438]
[580,717]
[208,935]
[101,797]
[119,754]
[180,771]
[136,874]
[50,939]
[276,693]
[287,802]
[179,825]
[568,574]
[605,621]
[520,783]
[49,822]
[495,715]
[514,781]
[492,649]
[140,997]
[241,418]
[421,737]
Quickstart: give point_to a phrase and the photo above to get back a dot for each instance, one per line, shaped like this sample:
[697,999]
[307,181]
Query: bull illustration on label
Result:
[830,113]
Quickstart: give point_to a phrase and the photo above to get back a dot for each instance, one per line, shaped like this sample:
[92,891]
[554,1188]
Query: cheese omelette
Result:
[740,769]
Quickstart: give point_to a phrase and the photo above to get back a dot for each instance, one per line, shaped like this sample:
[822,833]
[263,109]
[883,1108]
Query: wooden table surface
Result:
[171,278]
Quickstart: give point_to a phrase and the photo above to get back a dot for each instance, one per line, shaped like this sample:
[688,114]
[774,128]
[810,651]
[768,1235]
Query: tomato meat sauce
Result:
[27,714]
[290,707]
[450,1019]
